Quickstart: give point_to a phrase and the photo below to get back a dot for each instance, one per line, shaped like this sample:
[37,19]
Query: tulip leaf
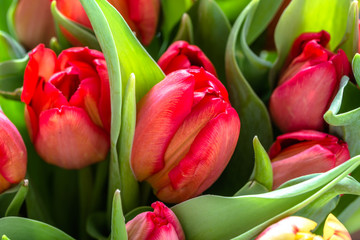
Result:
[309,16]
[82,34]
[172,12]
[232,8]
[128,184]
[211,28]
[224,213]
[253,115]
[4,6]
[16,203]
[350,42]
[356,68]
[185,31]
[28,229]
[352,224]
[96,226]
[118,229]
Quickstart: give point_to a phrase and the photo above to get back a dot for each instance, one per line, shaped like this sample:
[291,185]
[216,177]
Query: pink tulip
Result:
[185,134]
[13,156]
[305,152]
[68,106]
[161,224]
[33,22]
[293,228]
[141,16]
[182,55]
[308,83]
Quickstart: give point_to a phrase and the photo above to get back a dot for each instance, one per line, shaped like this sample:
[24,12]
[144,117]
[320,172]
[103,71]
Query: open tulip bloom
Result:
[121,119]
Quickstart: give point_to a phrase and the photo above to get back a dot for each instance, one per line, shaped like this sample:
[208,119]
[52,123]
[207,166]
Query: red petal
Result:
[301,102]
[160,113]
[74,11]
[68,138]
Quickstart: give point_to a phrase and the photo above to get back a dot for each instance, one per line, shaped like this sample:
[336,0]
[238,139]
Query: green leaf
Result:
[185,31]
[4,6]
[232,8]
[10,48]
[310,16]
[128,183]
[253,115]
[213,217]
[17,202]
[82,34]
[263,173]
[356,67]
[118,229]
[172,12]
[133,213]
[350,42]
[208,13]
[96,226]
[28,229]
[4,237]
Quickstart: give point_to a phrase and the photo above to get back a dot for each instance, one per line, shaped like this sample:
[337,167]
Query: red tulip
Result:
[307,86]
[305,152]
[162,224]
[13,156]
[33,22]
[182,55]
[185,134]
[141,16]
[68,105]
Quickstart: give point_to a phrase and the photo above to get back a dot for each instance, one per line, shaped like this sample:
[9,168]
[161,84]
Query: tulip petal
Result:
[160,114]
[334,229]
[208,156]
[13,155]
[68,138]
[307,96]
[287,228]
[39,56]
[315,159]
[74,11]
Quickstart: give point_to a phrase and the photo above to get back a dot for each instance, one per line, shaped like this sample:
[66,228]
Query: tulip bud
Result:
[305,152]
[308,84]
[161,224]
[33,22]
[141,16]
[182,55]
[186,132]
[68,106]
[293,228]
[13,156]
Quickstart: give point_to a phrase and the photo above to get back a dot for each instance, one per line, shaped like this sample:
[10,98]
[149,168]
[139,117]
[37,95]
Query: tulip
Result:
[182,55]
[186,132]
[141,16]
[161,224]
[13,156]
[68,106]
[305,152]
[308,84]
[293,228]
[33,22]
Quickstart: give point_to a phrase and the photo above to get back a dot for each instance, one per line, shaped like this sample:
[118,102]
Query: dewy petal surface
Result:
[68,138]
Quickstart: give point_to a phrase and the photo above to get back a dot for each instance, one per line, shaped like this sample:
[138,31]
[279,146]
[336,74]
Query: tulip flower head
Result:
[68,106]
[141,16]
[185,134]
[308,84]
[305,152]
[13,155]
[182,55]
[161,224]
[294,228]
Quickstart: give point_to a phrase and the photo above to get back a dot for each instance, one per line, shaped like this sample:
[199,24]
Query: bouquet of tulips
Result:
[186,119]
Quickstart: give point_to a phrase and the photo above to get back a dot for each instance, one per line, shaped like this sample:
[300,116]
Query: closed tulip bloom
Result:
[13,156]
[308,83]
[33,22]
[161,224]
[68,106]
[186,132]
[305,152]
[182,55]
[295,228]
[141,16]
